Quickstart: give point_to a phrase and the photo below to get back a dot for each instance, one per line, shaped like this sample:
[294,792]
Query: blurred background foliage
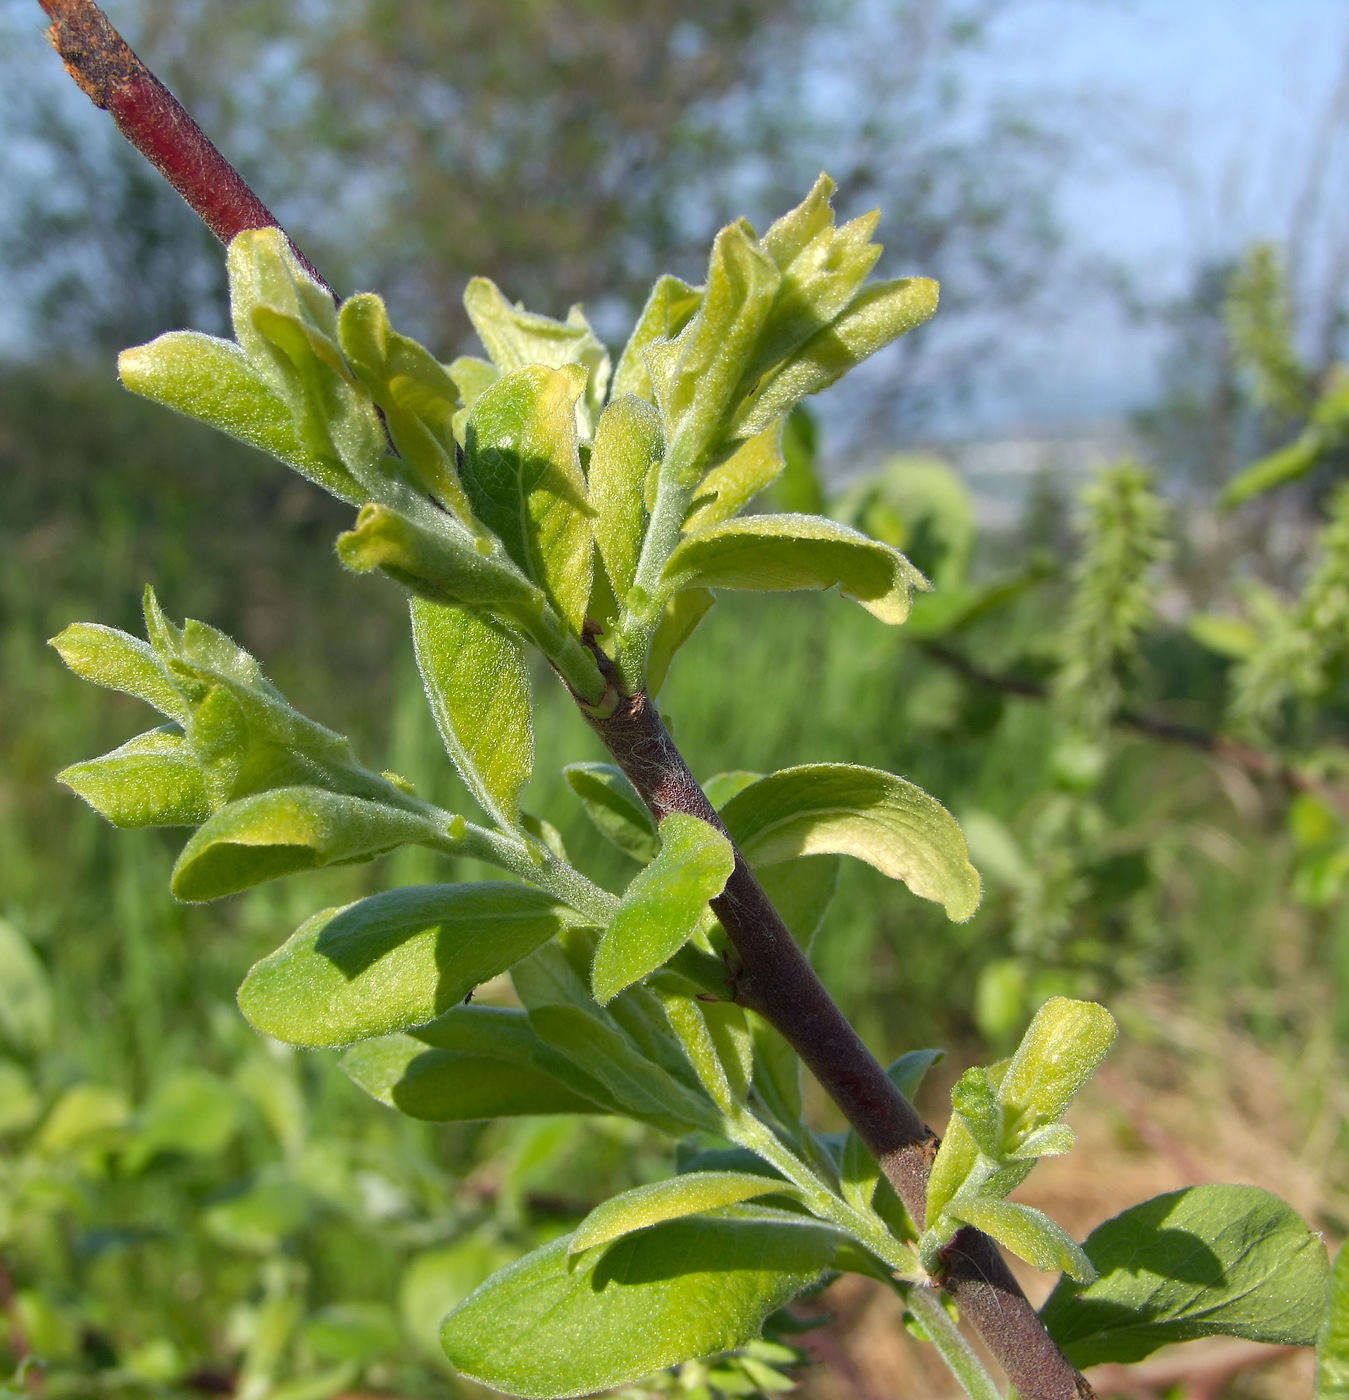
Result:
[1154,791]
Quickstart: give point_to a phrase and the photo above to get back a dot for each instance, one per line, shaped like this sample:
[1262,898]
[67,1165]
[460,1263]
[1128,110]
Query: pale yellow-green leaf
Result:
[628,443]
[793,552]
[515,338]
[726,489]
[668,310]
[691,1194]
[682,615]
[213,381]
[523,474]
[476,679]
[845,809]
[1029,1233]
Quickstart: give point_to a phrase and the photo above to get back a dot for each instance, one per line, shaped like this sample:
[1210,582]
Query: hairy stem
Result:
[776,980]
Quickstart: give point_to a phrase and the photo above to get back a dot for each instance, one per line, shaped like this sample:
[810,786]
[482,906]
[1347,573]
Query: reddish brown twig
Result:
[155,122]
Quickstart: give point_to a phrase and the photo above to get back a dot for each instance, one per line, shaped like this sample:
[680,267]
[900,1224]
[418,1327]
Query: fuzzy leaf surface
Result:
[1230,1261]
[413,391]
[119,661]
[476,679]
[662,906]
[287,830]
[728,488]
[151,780]
[516,338]
[1065,1044]
[628,444]
[1030,1234]
[522,470]
[395,960]
[690,1194]
[668,309]
[844,809]
[548,1326]
[789,553]
[213,381]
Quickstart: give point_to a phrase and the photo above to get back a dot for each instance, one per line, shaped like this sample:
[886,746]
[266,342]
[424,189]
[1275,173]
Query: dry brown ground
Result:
[1181,1103]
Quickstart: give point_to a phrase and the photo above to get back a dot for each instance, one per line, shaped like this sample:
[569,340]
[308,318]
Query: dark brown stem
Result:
[775,979]
[155,122]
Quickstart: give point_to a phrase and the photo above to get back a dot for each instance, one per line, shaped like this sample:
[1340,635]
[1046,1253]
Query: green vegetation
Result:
[284,1228]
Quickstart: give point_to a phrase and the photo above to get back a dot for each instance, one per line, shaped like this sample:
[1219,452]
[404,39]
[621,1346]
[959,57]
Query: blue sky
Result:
[1198,120]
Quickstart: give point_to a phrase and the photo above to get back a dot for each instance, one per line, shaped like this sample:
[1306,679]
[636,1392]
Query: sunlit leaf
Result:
[475,677]
[549,1326]
[288,830]
[152,780]
[628,445]
[663,904]
[523,474]
[843,809]
[1209,1261]
[794,552]
[395,960]
[1030,1234]
[667,311]
[690,1194]
[121,662]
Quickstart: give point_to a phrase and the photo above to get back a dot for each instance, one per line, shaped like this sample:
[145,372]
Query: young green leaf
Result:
[516,338]
[475,677]
[264,271]
[334,416]
[662,906]
[721,787]
[957,1158]
[682,614]
[288,830]
[1065,1044]
[974,1099]
[612,804]
[843,809]
[487,1033]
[454,1086]
[395,960]
[1030,1234]
[668,310]
[1230,1261]
[550,1326]
[726,489]
[213,381]
[1332,1340]
[644,1090]
[413,391]
[690,1194]
[776,1070]
[446,565]
[694,376]
[823,268]
[628,445]
[523,474]
[776,553]
[876,316]
[472,377]
[152,780]
[121,662]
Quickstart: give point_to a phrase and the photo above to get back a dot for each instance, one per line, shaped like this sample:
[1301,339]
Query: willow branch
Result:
[155,122]
[776,980]
[775,977]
